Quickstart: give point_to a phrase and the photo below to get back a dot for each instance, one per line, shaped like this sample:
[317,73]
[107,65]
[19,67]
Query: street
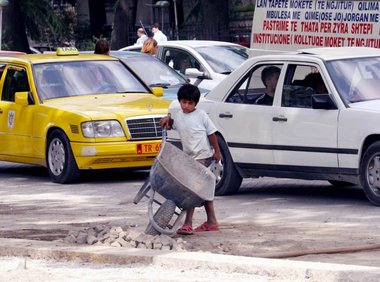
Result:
[274,218]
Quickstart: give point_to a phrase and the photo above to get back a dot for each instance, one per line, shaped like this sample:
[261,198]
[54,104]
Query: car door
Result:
[245,125]
[16,121]
[304,138]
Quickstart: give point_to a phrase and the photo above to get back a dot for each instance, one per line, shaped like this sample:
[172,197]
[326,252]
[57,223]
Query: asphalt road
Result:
[290,219]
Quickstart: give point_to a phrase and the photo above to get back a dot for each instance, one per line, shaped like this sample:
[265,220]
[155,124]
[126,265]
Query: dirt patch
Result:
[35,234]
[13,209]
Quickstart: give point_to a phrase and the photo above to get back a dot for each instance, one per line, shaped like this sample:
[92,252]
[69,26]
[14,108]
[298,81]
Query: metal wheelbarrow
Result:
[183,183]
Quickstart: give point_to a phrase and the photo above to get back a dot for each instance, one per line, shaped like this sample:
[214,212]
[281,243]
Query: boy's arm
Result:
[214,143]
[167,121]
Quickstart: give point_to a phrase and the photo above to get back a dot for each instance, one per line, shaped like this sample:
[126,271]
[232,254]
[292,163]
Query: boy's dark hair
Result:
[102,47]
[268,72]
[189,92]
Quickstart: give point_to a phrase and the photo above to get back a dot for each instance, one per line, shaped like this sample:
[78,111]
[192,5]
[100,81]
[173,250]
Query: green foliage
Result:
[45,24]
[241,7]
[82,37]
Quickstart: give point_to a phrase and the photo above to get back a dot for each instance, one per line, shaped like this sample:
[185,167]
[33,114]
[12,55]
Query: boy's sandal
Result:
[206,227]
[185,230]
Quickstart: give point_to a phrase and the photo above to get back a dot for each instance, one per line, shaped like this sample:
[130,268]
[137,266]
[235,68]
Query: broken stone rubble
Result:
[116,236]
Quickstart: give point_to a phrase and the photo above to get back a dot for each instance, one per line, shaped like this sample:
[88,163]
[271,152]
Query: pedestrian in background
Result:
[142,37]
[158,34]
[149,46]
[102,47]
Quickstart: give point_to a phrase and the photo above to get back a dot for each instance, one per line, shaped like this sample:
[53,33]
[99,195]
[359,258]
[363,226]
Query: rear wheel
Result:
[162,217]
[230,179]
[370,173]
[60,159]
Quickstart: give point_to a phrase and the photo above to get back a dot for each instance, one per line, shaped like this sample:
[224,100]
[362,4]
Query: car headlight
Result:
[103,128]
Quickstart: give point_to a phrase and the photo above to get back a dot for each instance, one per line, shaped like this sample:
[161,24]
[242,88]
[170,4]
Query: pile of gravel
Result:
[116,236]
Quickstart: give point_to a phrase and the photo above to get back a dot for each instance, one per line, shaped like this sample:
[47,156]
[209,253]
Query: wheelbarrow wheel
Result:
[162,217]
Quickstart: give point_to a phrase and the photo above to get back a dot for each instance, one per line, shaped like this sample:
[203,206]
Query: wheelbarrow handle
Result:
[164,133]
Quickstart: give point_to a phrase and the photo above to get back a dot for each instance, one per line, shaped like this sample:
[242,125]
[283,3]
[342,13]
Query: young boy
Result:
[197,133]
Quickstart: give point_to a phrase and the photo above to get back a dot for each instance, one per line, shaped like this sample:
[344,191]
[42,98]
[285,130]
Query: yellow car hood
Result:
[111,105]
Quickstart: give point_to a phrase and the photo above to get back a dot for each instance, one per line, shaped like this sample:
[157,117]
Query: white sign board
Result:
[297,24]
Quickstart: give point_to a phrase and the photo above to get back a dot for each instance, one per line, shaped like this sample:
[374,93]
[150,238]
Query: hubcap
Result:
[56,156]
[218,171]
[373,174]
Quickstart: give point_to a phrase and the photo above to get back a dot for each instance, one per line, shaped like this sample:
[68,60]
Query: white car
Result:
[205,63]
[310,132]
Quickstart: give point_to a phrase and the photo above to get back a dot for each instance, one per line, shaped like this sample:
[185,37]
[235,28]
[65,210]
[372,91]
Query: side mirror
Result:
[195,73]
[323,102]
[21,98]
[158,91]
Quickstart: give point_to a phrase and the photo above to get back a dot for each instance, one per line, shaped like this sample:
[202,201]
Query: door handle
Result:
[1,111]
[279,119]
[225,115]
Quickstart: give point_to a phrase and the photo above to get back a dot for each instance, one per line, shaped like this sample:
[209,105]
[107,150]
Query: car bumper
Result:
[115,154]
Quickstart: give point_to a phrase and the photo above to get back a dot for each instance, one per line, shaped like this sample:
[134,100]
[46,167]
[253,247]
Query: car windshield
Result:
[357,79]
[223,59]
[153,71]
[64,79]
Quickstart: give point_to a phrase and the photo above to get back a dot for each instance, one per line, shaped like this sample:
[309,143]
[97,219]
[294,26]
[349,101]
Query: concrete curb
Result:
[270,268]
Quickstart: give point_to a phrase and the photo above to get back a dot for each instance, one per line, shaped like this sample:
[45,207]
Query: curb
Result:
[290,270]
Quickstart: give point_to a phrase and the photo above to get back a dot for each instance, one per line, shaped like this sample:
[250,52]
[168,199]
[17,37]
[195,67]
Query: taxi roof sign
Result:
[67,51]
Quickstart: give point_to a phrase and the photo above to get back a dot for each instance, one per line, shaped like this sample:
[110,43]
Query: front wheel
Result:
[60,159]
[229,180]
[370,173]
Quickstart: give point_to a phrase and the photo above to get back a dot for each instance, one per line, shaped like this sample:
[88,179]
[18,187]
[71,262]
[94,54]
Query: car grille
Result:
[144,128]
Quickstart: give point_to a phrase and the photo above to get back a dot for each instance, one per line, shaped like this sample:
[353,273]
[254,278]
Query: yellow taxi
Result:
[71,112]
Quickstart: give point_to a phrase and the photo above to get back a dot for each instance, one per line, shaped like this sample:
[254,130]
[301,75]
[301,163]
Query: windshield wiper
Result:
[163,85]
[137,91]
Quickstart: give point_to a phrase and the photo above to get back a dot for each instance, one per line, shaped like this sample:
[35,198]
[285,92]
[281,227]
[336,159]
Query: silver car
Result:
[205,63]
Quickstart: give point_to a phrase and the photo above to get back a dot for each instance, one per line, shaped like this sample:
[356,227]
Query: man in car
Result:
[269,77]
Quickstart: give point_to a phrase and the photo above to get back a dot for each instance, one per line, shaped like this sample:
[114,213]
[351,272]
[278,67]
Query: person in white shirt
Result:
[158,34]
[199,141]
[142,37]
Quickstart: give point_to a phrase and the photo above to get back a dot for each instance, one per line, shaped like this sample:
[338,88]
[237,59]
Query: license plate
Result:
[148,148]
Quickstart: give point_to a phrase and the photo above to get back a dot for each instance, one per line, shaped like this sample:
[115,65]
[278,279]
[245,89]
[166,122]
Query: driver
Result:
[269,77]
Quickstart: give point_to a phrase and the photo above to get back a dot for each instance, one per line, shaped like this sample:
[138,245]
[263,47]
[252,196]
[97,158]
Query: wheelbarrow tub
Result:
[180,178]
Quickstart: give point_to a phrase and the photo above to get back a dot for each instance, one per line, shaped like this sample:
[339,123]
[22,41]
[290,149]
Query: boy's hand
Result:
[166,122]
[217,156]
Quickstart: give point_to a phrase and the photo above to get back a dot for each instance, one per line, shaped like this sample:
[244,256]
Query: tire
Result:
[60,159]
[162,217]
[230,179]
[338,183]
[370,173]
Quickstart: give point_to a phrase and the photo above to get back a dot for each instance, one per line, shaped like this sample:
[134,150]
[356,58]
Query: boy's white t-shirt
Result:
[194,129]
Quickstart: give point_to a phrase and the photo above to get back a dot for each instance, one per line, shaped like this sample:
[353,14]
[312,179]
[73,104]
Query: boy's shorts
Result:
[206,162]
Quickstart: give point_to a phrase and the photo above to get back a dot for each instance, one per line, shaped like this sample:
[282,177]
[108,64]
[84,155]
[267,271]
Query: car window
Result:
[16,80]
[2,68]
[180,60]
[63,79]
[301,82]
[356,80]
[251,87]
[223,59]
[153,71]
